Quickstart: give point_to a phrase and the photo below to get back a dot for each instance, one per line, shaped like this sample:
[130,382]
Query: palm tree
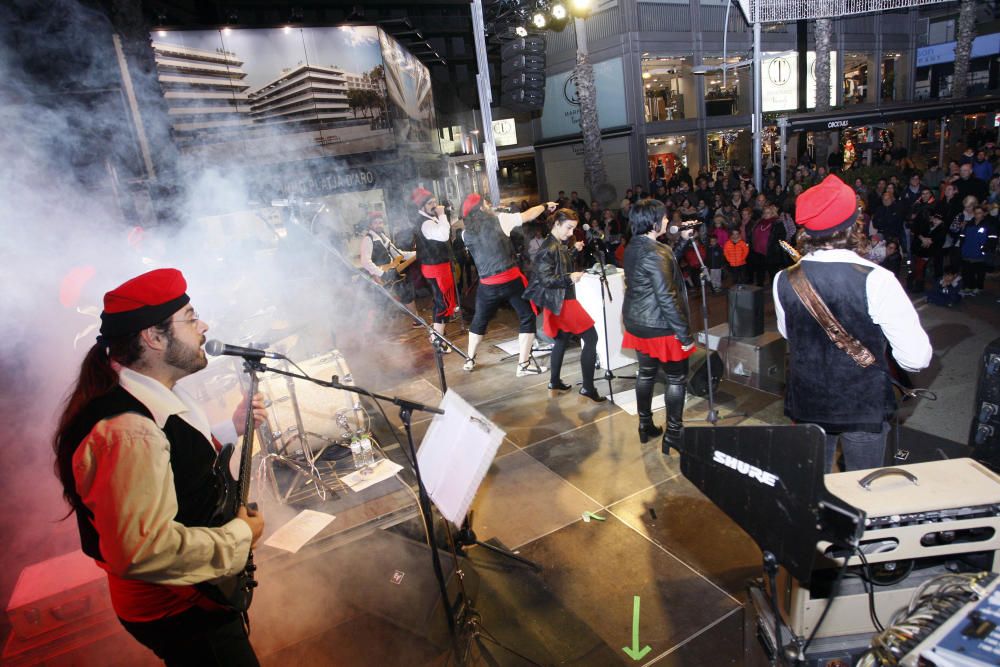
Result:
[824,36]
[594,174]
[966,32]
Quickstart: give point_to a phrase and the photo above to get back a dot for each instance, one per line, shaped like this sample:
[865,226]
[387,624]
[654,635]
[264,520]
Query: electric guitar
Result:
[235,591]
[399,263]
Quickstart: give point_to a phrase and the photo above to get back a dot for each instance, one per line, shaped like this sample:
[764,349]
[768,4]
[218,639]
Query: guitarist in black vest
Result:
[377,250]
[840,387]
[136,457]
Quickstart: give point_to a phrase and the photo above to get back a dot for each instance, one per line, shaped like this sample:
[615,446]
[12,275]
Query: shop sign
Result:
[982,47]
[561,113]
[834,124]
[346,180]
[780,80]
[505,132]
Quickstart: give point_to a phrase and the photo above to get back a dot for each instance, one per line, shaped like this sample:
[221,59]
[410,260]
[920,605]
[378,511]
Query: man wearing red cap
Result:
[377,250]
[487,236]
[433,241]
[846,391]
[135,455]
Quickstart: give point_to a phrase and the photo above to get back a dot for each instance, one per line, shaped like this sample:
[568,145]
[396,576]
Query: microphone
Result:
[216,348]
[593,233]
[687,227]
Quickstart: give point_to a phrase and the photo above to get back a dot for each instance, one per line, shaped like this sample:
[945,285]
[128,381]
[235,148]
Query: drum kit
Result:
[305,441]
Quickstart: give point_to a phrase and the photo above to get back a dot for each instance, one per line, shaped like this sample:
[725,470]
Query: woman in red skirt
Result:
[655,315]
[553,289]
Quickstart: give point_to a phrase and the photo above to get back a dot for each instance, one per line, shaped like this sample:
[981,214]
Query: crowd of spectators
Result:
[935,227]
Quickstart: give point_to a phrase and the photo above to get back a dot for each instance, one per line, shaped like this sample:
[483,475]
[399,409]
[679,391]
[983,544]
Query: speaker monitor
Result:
[984,433]
[697,383]
[524,79]
[530,44]
[523,99]
[746,311]
[521,62]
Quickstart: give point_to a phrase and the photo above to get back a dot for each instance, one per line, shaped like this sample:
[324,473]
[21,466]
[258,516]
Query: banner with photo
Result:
[274,95]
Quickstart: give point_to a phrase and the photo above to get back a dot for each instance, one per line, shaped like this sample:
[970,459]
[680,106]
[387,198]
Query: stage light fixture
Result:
[558,11]
[521,31]
[580,8]
[539,20]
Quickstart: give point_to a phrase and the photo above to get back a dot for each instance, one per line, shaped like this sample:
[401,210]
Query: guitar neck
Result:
[243,482]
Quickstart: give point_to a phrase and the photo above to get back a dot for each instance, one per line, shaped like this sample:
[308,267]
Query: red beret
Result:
[420,196]
[143,301]
[471,202]
[827,208]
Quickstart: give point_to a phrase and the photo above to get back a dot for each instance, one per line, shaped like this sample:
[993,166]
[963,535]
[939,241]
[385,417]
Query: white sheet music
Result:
[455,455]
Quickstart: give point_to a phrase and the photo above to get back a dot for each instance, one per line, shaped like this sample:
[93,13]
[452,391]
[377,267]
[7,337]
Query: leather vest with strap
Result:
[191,459]
[825,385]
[428,251]
[380,253]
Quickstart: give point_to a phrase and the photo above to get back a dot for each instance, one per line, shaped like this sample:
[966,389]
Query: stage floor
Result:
[661,542]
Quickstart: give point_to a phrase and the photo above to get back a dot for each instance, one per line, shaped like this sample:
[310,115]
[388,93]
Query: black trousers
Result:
[490,297]
[973,274]
[197,637]
[588,356]
[439,303]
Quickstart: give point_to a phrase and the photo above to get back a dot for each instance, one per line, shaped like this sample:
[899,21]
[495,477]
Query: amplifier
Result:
[757,362]
[920,519]
[57,592]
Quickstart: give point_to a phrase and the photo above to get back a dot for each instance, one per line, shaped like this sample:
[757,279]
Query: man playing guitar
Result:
[137,461]
[385,262]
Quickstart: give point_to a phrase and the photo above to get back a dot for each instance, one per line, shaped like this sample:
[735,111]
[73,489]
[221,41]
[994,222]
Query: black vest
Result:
[491,249]
[428,251]
[825,385]
[380,253]
[191,459]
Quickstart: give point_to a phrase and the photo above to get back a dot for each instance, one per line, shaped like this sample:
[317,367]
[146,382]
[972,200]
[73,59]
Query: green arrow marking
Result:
[635,652]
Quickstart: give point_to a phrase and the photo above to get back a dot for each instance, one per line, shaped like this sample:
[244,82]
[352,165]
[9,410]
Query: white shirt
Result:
[436,229]
[888,306]
[367,246]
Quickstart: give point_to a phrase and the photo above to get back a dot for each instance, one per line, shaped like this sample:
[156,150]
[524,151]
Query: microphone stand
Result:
[605,300]
[713,415]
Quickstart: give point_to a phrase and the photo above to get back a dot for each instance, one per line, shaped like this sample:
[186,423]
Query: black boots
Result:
[647,430]
[673,436]
[592,394]
[559,385]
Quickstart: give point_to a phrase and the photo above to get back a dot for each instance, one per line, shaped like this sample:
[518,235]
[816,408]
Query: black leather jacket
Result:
[550,283]
[655,297]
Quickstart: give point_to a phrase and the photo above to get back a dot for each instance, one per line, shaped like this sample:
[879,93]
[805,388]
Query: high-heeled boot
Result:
[644,382]
[673,436]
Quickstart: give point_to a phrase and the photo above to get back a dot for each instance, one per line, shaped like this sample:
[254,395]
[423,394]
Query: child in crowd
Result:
[715,261]
[948,290]
[735,251]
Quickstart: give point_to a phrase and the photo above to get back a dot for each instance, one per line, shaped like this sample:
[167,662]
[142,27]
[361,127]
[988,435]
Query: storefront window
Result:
[669,87]
[729,148]
[895,77]
[726,94]
[858,78]
[665,155]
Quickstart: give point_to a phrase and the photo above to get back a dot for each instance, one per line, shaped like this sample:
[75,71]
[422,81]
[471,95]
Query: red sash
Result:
[513,273]
[445,282]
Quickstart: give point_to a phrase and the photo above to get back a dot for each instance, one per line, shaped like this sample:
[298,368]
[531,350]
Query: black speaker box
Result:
[984,432]
[518,63]
[746,311]
[531,44]
[697,383]
[392,577]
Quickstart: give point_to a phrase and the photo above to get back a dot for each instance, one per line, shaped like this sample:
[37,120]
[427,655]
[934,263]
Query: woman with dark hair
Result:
[655,314]
[553,289]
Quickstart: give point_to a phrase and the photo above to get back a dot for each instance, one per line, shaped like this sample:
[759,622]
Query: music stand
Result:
[769,481]
[454,457]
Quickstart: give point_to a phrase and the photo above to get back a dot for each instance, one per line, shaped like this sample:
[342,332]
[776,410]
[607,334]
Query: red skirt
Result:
[572,318]
[664,348]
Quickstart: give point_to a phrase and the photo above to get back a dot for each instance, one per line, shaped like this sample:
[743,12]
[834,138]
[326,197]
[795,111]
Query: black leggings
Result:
[588,357]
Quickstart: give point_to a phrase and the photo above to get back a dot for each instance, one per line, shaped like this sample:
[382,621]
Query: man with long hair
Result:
[655,314]
[487,236]
[834,383]
[135,455]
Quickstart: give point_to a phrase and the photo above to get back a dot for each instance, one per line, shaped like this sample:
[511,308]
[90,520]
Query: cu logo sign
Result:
[502,127]
[570,92]
[779,71]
